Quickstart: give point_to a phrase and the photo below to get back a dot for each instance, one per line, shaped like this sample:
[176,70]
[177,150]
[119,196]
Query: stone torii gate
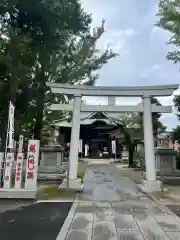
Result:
[145,92]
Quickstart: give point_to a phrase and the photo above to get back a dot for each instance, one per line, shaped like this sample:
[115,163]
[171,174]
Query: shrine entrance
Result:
[97,137]
[97,131]
[145,92]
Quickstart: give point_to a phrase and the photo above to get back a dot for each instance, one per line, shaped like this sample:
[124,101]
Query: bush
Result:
[139,158]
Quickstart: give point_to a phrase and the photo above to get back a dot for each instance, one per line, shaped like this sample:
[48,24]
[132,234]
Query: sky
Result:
[130,31]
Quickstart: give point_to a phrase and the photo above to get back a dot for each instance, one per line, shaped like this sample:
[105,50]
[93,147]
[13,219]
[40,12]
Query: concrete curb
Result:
[164,207]
[55,201]
[64,230]
[172,197]
[149,195]
[154,199]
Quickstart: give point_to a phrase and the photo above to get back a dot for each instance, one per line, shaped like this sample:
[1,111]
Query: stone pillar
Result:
[148,141]
[75,132]
[150,184]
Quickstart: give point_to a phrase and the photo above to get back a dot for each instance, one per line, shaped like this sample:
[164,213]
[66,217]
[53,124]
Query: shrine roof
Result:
[88,118]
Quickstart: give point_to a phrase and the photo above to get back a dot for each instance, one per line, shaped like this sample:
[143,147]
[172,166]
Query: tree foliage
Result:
[176,134]
[176,101]
[169,20]
[44,41]
[130,129]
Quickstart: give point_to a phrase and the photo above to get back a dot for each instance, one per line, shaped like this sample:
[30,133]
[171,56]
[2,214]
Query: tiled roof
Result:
[86,119]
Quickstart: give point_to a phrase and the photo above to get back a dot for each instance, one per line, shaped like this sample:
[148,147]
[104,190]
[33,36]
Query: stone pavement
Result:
[112,208]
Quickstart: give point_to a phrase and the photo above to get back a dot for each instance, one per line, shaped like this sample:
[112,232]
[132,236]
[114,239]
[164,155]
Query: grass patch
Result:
[55,193]
[81,173]
[158,195]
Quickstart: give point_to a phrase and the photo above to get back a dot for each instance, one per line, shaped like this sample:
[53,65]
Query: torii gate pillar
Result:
[73,182]
[150,184]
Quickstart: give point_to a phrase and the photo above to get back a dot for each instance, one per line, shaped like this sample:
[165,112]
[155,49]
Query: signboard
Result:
[32,165]
[80,146]
[114,146]
[19,170]
[8,170]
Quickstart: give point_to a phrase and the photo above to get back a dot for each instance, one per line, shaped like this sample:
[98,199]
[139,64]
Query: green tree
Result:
[169,20]
[176,131]
[47,25]
[176,134]
[176,101]
[78,64]
[130,129]
[16,61]
[59,47]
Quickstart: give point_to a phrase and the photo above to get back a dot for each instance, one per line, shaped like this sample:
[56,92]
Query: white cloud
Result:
[168,100]
[116,40]
[95,100]
[156,67]
[142,48]
[148,72]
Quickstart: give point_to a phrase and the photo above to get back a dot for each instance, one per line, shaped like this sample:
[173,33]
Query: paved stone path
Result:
[111,208]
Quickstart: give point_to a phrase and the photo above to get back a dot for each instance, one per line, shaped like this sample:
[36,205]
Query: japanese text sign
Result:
[32,164]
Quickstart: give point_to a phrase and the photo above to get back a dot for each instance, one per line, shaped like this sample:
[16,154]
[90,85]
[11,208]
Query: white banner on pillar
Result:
[1,164]
[19,170]
[32,165]
[114,146]
[11,126]
[86,150]
[80,146]
[8,170]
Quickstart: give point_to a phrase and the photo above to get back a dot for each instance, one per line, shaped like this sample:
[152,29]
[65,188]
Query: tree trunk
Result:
[131,150]
[39,111]
[13,91]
